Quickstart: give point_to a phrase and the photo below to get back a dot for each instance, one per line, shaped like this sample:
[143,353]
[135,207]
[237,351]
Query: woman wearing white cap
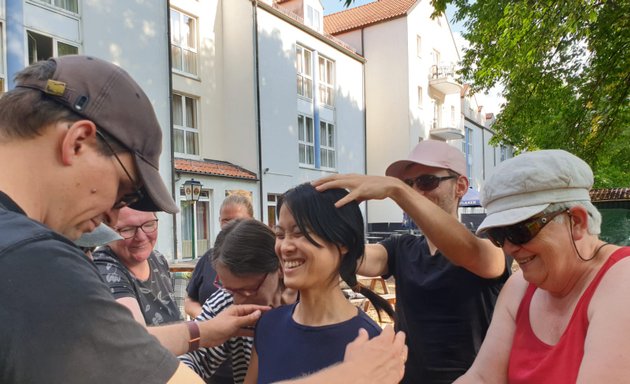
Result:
[564,317]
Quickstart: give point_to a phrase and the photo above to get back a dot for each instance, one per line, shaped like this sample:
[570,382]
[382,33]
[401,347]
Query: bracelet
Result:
[193,330]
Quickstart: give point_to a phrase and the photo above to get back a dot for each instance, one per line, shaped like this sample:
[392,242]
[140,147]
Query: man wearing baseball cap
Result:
[79,140]
[448,280]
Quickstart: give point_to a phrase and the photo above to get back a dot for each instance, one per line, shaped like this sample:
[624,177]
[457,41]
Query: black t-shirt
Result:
[444,309]
[58,321]
[201,284]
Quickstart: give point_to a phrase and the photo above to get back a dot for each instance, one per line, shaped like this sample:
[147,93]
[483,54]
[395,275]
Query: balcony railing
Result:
[443,79]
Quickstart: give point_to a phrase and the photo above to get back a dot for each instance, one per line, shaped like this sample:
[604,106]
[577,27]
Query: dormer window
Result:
[313,18]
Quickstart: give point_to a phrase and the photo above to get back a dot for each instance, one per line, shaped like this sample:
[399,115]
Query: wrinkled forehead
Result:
[128,216]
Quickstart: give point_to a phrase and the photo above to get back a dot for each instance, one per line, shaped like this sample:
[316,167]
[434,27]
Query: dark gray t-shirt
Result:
[58,321]
[155,295]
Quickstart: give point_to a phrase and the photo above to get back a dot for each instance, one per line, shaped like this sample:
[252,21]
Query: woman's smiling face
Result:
[306,266]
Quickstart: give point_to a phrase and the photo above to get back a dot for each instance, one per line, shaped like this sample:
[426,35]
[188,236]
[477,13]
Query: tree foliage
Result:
[565,70]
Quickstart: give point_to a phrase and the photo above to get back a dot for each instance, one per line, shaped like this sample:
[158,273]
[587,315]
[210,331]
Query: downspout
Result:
[257,106]
[365,137]
[170,122]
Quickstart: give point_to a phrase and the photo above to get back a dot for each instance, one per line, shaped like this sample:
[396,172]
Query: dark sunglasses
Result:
[523,232]
[427,182]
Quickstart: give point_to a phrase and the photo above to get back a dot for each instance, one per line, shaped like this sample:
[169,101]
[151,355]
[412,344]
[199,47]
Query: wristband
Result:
[193,330]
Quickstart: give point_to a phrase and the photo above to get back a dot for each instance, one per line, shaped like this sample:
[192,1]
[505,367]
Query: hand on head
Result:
[361,187]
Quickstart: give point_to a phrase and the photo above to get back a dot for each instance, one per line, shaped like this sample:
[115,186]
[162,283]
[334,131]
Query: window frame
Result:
[54,42]
[301,67]
[180,66]
[324,145]
[303,142]
[186,129]
[55,4]
[326,81]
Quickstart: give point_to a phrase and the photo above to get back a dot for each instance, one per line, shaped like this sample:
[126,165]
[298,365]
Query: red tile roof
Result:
[214,168]
[610,194]
[364,15]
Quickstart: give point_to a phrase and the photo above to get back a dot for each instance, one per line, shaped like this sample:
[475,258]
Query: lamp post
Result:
[192,191]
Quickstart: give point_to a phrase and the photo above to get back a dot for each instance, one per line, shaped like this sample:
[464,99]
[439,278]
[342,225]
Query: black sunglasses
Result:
[523,232]
[427,182]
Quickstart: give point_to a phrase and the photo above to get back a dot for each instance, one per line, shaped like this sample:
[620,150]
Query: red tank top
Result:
[533,361]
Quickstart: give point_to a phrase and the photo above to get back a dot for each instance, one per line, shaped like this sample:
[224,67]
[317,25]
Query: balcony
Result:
[444,131]
[443,79]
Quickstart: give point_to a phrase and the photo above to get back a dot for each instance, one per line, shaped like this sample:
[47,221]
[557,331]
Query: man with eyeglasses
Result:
[79,140]
[447,280]
[138,276]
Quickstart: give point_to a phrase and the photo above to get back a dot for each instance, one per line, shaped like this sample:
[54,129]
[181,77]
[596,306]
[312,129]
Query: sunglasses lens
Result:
[496,236]
[427,182]
[520,234]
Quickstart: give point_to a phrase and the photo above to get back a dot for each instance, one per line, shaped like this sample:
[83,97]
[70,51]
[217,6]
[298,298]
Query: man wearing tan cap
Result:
[448,280]
[79,140]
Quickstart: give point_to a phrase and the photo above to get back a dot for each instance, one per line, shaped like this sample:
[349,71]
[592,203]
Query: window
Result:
[185,129]
[327,144]
[68,5]
[272,204]
[306,140]
[312,18]
[326,81]
[418,46]
[504,152]
[467,148]
[304,59]
[453,121]
[420,97]
[3,74]
[183,42]
[202,224]
[41,47]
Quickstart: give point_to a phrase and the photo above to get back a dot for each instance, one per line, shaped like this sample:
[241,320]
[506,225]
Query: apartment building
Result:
[412,89]
[130,34]
[262,101]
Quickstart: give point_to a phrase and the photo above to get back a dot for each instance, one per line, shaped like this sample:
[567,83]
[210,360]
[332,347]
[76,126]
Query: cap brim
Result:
[398,168]
[101,235]
[157,196]
[509,217]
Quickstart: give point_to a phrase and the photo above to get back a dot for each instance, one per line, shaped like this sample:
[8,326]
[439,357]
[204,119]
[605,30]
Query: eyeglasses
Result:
[523,232]
[130,198]
[243,291]
[427,182]
[130,231]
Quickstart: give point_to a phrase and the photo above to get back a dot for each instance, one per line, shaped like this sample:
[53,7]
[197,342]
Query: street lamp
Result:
[192,190]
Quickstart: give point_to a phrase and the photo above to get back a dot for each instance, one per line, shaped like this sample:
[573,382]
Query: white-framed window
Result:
[185,126]
[420,97]
[467,148]
[306,140]
[68,5]
[313,18]
[453,120]
[42,47]
[3,74]
[202,223]
[304,64]
[183,42]
[504,153]
[272,208]
[418,46]
[326,81]
[327,145]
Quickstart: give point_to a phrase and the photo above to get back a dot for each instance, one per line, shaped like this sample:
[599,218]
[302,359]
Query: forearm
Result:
[173,337]
[451,237]
[192,307]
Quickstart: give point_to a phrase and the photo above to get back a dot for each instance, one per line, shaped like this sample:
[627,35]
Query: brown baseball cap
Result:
[105,94]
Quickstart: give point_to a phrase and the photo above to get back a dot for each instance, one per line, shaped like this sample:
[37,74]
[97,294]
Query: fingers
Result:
[246,309]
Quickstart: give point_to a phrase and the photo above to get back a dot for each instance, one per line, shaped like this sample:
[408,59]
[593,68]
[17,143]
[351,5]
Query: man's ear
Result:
[76,137]
[462,186]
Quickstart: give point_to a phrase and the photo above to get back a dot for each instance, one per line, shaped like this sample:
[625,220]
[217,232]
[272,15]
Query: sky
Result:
[491,101]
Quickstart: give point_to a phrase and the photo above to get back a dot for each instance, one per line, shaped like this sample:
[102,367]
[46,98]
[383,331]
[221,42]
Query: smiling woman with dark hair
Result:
[317,244]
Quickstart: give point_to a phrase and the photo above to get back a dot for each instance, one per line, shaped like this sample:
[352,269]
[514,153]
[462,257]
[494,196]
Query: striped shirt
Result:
[205,361]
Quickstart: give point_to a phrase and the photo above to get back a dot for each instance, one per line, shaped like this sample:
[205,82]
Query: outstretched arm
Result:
[442,229]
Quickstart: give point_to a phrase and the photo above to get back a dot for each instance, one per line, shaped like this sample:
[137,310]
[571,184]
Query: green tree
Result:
[565,70]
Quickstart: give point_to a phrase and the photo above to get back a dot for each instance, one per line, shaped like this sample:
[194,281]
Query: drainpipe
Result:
[257,106]
[170,123]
